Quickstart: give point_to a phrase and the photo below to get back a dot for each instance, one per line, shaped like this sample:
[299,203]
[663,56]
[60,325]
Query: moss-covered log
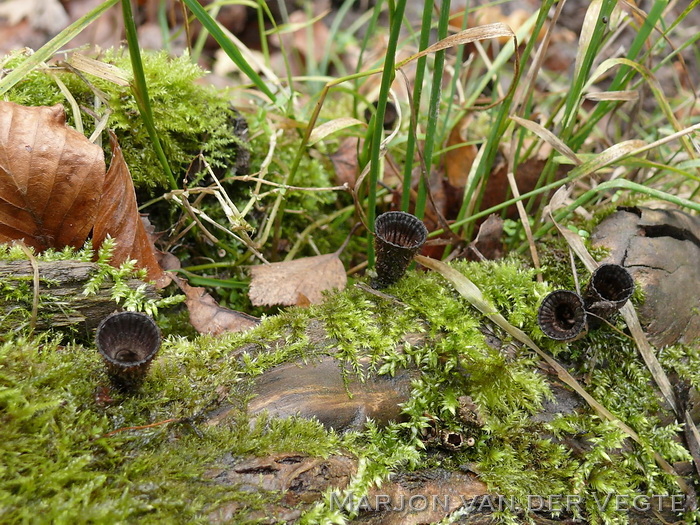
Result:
[62,298]
[204,439]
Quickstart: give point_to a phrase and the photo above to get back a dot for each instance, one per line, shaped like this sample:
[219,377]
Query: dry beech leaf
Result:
[299,282]
[118,216]
[459,161]
[489,240]
[207,317]
[345,161]
[51,178]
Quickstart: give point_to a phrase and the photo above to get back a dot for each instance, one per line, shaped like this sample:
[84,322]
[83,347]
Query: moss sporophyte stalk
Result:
[62,458]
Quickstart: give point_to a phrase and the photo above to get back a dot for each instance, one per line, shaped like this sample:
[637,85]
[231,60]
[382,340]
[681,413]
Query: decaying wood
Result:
[324,389]
[444,491]
[299,479]
[661,249]
[61,299]
[321,388]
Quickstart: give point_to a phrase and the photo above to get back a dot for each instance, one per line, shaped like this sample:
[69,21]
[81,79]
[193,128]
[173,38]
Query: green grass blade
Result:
[334,30]
[621,78]
[415,109]
[371,29]
[501,121]
[613,154]
[52,46]
[619,184]
[140,90]
[434,107]
[202,37]
[455,77]
[163,24]
[378,132]
[229,48]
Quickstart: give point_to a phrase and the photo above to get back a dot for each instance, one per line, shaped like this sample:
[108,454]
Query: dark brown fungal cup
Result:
[610,287]
[128,342]
[398,237]
[562,316]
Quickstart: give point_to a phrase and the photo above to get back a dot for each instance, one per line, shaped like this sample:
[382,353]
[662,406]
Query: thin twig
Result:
[35,268]
[143,427]
[249,178]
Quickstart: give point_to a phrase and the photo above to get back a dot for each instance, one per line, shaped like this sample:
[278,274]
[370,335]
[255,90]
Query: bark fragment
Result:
[661,249]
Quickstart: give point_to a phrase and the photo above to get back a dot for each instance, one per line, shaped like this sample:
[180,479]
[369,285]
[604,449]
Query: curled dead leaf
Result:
[460,155]
[207,317]
[118,216]
[299,282]
[51,178]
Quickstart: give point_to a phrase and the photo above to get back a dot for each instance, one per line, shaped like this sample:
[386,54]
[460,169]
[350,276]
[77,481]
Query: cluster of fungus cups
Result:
[127,342]
[566,316]
[399,236]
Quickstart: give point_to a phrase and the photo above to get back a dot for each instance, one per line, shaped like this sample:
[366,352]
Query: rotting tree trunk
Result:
[312,389]
[62,302]
[319,389]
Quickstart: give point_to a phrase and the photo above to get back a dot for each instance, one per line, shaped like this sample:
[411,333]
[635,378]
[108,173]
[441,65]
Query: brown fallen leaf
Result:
[51,178]
[488,243]
[118,216]
[458,161]
[207,317]
[298,282]
[345,161]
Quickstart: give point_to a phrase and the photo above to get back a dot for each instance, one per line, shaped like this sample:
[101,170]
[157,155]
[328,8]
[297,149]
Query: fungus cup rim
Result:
[408,218]
[583,322]
[125,364]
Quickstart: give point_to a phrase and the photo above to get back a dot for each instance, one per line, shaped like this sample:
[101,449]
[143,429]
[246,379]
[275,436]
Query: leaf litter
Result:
[55,189]
[300,282]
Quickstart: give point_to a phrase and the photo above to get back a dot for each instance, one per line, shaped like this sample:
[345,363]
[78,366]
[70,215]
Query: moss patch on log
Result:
[72,448]
[74,293]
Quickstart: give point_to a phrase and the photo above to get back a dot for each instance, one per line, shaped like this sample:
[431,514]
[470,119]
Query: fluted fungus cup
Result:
[127,342]
[610,287]
[562,316]
[398,238]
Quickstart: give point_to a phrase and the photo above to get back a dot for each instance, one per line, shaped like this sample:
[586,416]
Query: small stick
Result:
[35,267]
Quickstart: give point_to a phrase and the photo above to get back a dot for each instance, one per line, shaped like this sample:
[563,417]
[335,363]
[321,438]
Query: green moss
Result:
[17,292]
[59,459]
[59,463]
[515,454]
